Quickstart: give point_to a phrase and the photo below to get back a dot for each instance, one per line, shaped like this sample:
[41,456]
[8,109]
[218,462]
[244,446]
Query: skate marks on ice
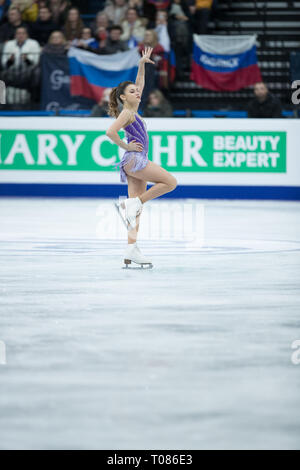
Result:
[15,245]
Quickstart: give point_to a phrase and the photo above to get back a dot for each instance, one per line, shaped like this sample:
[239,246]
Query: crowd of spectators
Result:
[29,28]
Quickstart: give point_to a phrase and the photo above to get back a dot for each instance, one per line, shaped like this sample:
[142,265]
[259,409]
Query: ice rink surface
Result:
[193,354]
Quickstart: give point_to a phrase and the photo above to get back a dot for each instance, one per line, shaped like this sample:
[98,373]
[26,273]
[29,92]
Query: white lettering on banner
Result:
[96,151]
[192,152]
[158,149]
[219,62]
[58,78]
[19,146]
[274,141]
[251,159]
[72,148]
[231,142]
[47,144]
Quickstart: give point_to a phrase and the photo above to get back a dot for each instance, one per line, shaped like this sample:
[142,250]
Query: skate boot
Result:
[133,254]
[132,206]
[120,206]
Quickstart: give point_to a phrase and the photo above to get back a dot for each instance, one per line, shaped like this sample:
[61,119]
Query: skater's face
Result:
[131,95]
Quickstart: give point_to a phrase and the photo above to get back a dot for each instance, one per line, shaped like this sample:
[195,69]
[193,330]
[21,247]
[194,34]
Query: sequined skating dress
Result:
[136,130]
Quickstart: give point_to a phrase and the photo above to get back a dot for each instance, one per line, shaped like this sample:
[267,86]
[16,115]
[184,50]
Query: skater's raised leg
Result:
[164,181]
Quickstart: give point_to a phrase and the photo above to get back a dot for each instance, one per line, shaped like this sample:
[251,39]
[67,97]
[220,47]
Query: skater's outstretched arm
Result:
[140,78]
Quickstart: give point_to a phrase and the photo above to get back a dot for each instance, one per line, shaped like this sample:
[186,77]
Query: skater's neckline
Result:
[136,114]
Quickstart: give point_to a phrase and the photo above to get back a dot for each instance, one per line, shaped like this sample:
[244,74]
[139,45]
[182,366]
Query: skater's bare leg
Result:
[165,182]
[135,188]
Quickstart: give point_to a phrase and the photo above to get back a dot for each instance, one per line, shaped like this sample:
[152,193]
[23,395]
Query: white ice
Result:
[193,354]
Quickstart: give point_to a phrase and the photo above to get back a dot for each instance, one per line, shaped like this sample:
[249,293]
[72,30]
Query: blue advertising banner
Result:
[55,89]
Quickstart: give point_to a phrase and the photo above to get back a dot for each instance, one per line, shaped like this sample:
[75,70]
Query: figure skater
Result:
[135,167]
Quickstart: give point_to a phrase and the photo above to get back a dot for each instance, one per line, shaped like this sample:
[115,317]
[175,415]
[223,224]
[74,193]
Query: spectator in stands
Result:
[4,6]
[161,28]
[146,12]
[29,9]
[42,3]
[116,11]
[158,105]
[20,57]
[100,21]
[180,28]
[201,11]
[101,37]
[265,104]
[133,29]
[111,45]
[151,40]
[160,4]
[114,43]
[43,27]
[74,25]
[59,10]
[57,44]
[8,30]
[86,38]
[100,108]
[138,5]
[21,49]
[95,44]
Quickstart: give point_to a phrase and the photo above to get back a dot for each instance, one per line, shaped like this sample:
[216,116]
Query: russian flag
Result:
[172,65]
[91,73]
[225,63]
[167,69]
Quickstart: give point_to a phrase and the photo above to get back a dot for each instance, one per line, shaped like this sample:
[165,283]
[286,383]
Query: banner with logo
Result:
[200,152]
[225,63]
[55,91]
[91,73]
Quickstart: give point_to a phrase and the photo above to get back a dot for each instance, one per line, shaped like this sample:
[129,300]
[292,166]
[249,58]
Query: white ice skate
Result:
[132,207]
[133,254]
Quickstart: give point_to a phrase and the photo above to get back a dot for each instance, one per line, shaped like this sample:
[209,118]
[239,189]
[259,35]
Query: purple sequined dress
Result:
[136,130]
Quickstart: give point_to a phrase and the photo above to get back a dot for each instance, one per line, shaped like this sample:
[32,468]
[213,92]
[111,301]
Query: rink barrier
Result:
[210,158]
[115,190]
[200,113]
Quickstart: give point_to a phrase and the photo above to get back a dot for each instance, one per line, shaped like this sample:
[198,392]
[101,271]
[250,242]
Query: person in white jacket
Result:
[133,29]
[18,55]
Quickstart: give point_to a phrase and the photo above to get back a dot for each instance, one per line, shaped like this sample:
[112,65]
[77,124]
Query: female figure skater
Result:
[135,167]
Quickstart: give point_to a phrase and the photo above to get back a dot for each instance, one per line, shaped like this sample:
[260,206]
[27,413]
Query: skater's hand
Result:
[135,146]
[146,55]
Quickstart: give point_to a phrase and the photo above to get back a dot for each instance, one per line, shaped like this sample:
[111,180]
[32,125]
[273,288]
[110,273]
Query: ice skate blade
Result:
[125,221]
[140,265]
